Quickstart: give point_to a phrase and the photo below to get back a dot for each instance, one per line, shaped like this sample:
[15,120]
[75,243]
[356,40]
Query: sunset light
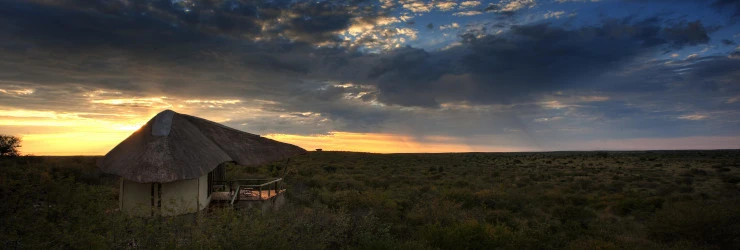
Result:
[377,76]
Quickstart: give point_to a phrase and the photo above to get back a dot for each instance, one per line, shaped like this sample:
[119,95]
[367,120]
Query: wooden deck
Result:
[248,195]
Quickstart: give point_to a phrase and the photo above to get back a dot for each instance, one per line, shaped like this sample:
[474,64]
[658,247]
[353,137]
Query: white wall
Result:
[203,196]
[179,197]
[136,198]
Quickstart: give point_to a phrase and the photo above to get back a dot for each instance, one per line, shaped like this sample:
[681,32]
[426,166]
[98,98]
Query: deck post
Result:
[236,195]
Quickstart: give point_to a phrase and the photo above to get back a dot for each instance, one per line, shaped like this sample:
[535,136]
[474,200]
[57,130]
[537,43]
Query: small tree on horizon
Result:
[9,145]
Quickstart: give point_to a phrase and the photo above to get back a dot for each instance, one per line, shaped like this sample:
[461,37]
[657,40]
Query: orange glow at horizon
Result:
[100,142]
[384,143]
[51,133]
[95,139]
[47,132]
[72,143]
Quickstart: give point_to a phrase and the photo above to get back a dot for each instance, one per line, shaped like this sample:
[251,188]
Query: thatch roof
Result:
[173,146]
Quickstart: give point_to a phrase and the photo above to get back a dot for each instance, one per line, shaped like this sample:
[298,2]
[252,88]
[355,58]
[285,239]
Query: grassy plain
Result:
[556,200]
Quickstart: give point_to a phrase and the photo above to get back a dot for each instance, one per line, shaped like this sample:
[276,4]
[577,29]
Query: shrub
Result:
[466,235]
[637,206]
[701,223]
[731,179]
[9,145]
[573,215]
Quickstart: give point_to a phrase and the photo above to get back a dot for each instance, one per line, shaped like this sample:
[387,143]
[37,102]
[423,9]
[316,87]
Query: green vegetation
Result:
[570,200]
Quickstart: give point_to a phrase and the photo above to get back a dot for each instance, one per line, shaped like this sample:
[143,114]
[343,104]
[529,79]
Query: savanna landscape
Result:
[370,124]
[348,200]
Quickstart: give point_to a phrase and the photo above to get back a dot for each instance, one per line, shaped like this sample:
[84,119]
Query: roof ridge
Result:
[162,124]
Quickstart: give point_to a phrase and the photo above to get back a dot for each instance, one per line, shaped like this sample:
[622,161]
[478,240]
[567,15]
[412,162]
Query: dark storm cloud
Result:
[666,94]
[734,55]
[733,6]
[347,108]
[176,48]
[219,49]
[181,31]
[523,61]
[703,82]
[491,8]
[55,27]
[285,124]
[404,75]
[304,20]
[692,33]
[317,22]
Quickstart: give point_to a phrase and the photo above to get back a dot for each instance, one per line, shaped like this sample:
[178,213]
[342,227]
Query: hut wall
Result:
[136,198]
[180,197]
[203,195]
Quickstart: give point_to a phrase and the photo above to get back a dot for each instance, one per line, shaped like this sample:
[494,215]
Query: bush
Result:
[637,206]
[466,235]
[712,224]
[9,145]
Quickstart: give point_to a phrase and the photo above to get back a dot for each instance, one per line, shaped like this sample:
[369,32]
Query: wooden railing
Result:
[249,185]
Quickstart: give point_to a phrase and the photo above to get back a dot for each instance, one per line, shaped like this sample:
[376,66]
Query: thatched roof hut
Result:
[174,147]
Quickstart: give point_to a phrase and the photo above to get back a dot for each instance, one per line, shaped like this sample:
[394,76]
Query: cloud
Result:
[478,60]
[498,68]
[377,33]
[734,55]
[417,6]
[548,119]
[515,5]
[510,7]
[727,5]
[467,13]
[121,23]
[553,14]
[445,5]
[694,117]
[410,66]
[449,26]
[691,33]
[16,91]
[292,68]
[565,1]
[469,4]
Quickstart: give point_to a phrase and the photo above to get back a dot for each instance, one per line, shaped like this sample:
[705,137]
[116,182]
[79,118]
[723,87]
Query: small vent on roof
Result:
[162,123]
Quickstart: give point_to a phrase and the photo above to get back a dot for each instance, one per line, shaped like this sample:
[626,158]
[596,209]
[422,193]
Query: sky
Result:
[77,77]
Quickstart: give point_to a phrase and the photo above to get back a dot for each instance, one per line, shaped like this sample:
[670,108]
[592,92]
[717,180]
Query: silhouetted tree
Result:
[9,145]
